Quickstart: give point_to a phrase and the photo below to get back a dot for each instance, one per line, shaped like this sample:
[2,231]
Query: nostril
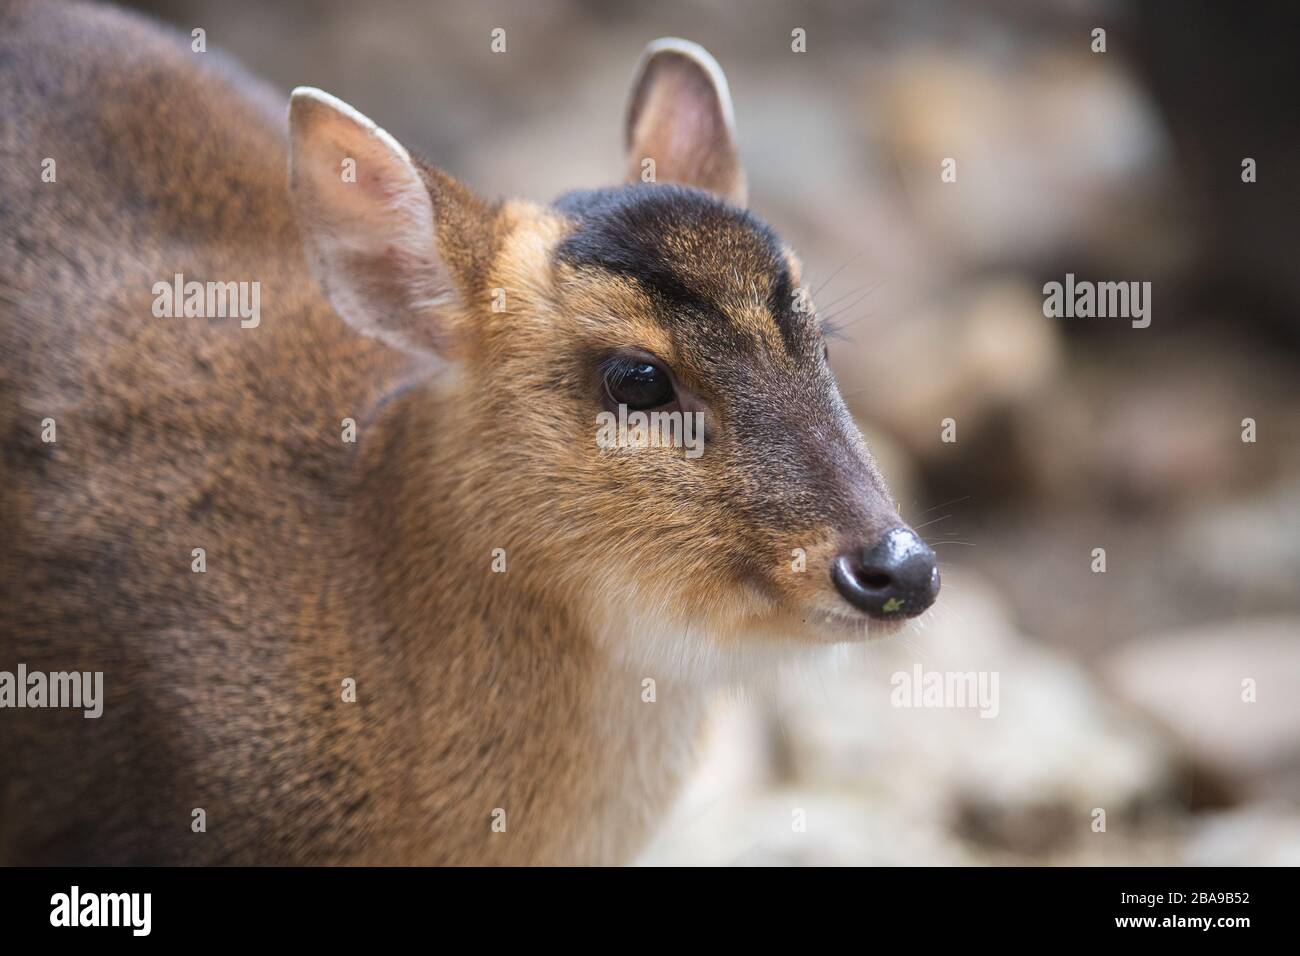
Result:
[876,580]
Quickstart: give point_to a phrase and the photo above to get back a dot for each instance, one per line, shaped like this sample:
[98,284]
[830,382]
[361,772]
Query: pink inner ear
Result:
[371,166]
[692,120]
[376,192]
[682,127]
[376,186]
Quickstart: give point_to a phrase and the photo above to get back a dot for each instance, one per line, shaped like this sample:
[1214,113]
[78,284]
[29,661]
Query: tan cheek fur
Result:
[677,581]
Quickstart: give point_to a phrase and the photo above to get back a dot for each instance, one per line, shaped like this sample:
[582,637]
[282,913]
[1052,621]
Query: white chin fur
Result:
[650,637]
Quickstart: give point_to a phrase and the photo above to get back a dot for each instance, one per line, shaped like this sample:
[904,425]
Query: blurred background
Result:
[1127,691]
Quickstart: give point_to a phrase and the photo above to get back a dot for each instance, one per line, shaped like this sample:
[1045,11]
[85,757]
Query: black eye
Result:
[637,384]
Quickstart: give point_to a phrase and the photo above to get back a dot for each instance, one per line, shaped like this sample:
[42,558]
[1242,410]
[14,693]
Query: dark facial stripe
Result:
[686,248]
[780,302]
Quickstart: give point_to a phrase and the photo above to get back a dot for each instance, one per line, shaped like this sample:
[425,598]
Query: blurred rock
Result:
[1203,560]
[801,826]
[885,784]
[1191,680]
[737,809]
[963,359]
[1155,426]
[1024,778]
[1237,545]
[1054,152]
[1260,835]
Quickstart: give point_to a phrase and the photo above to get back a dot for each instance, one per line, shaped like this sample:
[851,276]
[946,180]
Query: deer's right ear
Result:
[368,223]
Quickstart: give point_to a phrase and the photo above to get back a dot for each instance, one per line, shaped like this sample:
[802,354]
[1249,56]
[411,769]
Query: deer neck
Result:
[518,701]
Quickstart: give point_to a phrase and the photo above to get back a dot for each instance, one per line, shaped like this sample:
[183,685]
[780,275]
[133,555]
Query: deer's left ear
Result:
[396,244]
[680,116]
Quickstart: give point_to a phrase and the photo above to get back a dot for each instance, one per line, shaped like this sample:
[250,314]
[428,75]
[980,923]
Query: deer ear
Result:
[370,223]
[680,116]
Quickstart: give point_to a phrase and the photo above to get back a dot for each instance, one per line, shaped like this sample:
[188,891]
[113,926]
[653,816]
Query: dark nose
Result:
[896,577]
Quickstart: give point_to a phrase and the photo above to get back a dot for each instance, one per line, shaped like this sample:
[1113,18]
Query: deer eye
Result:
[638,384]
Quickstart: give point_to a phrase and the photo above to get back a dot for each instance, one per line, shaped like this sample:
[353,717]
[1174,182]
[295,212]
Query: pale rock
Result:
[1192,680]
[1255,835]
[1053,748]
[981,349]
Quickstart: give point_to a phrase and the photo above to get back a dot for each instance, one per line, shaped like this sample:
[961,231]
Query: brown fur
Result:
[327,560]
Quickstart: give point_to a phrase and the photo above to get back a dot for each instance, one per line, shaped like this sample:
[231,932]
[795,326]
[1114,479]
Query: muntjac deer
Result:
[300,455]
